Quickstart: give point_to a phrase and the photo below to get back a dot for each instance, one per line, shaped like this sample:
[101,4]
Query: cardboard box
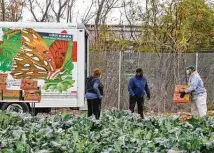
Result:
[3,86]
[28,84]
[176,97]
[12,94]
[32,95]
[3,77]
[1,94]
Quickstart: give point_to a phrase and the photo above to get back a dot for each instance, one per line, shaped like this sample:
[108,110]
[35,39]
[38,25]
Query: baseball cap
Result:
[191,67]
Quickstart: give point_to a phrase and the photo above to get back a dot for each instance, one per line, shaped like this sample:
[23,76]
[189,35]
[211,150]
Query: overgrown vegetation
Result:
[117,131]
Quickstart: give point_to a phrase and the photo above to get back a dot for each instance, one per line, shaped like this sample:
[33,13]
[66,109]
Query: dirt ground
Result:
[79,112]
[66,110]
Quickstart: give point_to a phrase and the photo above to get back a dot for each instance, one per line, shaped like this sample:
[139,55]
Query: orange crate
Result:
[3,77]
[28,84]
[176,97]
[32,95]
[12,94]
[180,88]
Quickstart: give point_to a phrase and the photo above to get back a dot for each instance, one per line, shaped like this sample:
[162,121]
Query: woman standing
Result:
[94,93]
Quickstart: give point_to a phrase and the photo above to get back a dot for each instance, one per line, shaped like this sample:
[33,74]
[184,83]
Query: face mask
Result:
[188,72]
[139,74]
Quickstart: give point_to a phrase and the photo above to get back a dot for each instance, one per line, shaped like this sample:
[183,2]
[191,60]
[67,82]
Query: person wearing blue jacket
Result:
[137,87]
[94,93]
[197,91]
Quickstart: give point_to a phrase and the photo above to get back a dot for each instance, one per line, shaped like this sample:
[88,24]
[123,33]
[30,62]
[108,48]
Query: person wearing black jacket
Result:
[137,87]
[94,93]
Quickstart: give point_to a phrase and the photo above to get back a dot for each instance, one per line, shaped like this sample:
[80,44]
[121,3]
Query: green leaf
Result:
[65,116]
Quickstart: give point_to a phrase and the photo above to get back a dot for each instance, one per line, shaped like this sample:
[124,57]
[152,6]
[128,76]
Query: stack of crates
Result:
[3,84]
[8,94]
[3,78]
[31,90]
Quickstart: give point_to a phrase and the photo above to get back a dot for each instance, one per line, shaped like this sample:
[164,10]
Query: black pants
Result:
[140,103]
[94,107]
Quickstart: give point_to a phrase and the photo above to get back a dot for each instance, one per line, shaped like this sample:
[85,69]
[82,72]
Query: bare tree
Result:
[134,16]
[59,8]
[3,9]
[102,11]
[11,10]
[70,6]
[110,4]
[99,12]
[88,14]
[43,8]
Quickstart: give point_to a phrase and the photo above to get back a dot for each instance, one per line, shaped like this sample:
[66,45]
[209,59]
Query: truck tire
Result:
[16,107]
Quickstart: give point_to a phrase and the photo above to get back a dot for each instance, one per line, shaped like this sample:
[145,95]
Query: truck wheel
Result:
[16,107]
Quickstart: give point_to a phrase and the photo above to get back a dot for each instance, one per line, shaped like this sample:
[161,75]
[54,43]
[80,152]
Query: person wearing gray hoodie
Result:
[197,91]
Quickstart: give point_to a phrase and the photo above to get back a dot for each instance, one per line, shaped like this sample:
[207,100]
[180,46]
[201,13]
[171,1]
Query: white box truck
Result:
[42,65]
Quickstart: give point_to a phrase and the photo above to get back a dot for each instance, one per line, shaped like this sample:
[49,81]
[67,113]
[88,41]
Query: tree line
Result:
[163,26]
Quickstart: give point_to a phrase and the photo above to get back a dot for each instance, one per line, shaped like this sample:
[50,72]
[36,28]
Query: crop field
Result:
[116,132]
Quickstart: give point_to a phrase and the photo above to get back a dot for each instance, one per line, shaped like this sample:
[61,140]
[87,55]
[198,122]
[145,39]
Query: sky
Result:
[80,8]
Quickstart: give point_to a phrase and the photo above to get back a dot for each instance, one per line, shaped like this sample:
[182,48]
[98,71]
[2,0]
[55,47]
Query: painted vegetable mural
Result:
[28,54]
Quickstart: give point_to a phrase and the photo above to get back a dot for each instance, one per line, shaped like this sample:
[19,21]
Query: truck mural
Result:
[29,55]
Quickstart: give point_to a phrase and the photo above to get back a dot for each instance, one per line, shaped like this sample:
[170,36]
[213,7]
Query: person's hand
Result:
[182,94]
[148,97]
[133,96]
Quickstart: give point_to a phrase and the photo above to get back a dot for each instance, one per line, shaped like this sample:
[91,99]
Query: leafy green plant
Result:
[117,131]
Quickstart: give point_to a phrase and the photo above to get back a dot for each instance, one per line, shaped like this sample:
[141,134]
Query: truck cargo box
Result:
[54,56]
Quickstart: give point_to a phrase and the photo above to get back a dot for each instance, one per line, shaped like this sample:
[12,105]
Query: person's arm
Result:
[193,85]
[147,90]
[130,87]
[96,88]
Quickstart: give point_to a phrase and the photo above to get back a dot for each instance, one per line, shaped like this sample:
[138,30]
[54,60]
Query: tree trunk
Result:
[97,19]
[3,10]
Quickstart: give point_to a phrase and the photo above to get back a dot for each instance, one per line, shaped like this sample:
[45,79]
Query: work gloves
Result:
[182,94]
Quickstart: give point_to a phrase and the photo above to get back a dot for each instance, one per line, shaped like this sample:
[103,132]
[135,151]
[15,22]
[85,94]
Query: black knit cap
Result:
[139,70]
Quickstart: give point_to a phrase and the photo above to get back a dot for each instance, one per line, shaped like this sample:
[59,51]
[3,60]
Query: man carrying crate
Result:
[198,93]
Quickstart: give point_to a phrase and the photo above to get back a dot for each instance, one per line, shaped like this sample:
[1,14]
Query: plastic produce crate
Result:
[176,97]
